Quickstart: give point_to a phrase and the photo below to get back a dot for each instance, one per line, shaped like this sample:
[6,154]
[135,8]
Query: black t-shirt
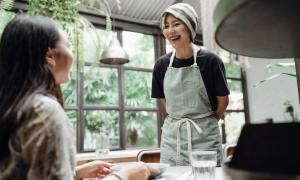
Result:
[211,67]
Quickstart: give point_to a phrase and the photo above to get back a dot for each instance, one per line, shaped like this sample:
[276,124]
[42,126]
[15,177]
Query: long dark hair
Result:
[24,71]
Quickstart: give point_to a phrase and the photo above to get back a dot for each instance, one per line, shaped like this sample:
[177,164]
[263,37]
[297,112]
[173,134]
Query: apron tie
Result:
[188,122]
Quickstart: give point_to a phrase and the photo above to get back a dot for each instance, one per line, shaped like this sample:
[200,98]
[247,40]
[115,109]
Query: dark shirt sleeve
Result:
[219,74]
[157,81]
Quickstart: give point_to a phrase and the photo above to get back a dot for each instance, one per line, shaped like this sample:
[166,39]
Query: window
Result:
[140,108]
[113,98]
[235,116]
[5,17]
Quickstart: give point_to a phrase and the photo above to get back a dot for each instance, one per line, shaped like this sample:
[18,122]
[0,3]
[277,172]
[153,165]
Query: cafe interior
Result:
[116,43]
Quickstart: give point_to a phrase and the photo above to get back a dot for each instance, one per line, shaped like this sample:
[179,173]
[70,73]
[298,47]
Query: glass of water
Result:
[102,142]
[204,164]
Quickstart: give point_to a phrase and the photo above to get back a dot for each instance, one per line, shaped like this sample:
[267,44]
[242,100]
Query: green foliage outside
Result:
[101,88]
[63,11]
[140,48]
[5,17]
[144,123]
[97,120]
[138,89]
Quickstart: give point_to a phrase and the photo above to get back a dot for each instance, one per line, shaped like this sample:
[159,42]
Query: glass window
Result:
[5,17]
[236,98]
[169,47]
[98,120]
[138,89]
[232,70]
[141,129]
[101,86]
[69,88]
[234,122]
[140,48]
[92,49]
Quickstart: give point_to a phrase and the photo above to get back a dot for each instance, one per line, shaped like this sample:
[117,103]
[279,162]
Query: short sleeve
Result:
[219,74]
[157,81]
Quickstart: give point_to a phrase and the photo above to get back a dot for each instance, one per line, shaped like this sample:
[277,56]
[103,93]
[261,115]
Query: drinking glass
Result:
[102,142]
[204,164]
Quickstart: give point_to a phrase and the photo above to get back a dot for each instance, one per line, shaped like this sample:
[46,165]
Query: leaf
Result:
[273,77]
[276,65]
[6,5]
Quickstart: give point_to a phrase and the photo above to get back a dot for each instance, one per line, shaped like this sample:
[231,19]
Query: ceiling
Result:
[146,11]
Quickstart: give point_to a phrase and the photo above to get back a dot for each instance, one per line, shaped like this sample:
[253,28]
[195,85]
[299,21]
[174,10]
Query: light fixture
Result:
[259,28]
[114,53]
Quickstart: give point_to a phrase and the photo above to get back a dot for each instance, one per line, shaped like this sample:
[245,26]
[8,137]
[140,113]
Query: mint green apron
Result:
[189,125]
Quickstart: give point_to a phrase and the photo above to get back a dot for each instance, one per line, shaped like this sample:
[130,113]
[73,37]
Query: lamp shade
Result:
[114,54]
[259,28]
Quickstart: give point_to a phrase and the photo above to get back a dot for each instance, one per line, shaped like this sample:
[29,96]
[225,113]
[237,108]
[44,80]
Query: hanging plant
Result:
[99,7]
[6,5]
[67,14]
[63,11]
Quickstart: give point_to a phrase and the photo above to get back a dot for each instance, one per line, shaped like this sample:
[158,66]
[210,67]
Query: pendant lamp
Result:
[259,28]
[114,54]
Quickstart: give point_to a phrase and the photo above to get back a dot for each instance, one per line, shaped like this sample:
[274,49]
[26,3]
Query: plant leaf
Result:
[276,65]
[6,4]
[273,77]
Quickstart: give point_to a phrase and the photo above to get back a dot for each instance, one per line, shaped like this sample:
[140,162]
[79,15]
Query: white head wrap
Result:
[185,13]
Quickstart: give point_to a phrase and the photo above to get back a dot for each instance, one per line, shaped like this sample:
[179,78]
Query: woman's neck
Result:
[184,52]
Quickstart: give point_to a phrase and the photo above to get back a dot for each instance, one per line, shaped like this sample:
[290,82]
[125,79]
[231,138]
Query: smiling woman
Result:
[192,84]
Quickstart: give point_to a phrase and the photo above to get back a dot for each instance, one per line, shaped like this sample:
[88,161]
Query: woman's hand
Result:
[140,171]
[93,169]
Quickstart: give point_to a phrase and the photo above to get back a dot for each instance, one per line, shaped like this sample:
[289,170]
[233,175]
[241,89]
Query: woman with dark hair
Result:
[35,142]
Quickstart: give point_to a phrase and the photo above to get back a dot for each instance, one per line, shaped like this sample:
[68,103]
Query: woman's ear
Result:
[50,58]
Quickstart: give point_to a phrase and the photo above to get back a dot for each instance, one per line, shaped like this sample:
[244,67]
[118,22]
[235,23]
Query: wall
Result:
[267,100]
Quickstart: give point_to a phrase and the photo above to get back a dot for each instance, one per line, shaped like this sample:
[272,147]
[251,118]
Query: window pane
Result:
[94,43]
[97,120]
[231,66]
[72,115]
[69,88]
[138,89]
[141,129]
[232,70]
[169,47]
[236,97]
[140,48]
[101,86]
[5,17]
[233,124]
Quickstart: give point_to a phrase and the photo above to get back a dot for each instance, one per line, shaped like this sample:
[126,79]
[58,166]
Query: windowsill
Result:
[112,156]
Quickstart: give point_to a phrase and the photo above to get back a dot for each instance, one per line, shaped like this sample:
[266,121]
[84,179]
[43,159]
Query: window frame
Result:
[81,106]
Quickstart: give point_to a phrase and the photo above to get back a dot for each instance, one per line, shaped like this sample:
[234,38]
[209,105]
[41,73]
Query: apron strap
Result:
[188,122]
[195,50]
